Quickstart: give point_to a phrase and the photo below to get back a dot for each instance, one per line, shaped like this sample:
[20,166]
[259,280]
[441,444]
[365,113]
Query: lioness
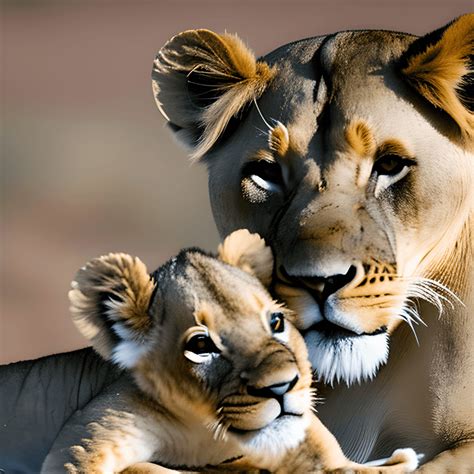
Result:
[216,374]
[351,154]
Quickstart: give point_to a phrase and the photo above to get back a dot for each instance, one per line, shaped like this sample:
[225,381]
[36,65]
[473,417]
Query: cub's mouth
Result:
[245,414]
[269,426]
[283,417]
[248,416]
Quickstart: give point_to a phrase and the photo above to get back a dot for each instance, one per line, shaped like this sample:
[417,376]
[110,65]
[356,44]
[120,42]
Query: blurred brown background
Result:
[87,166]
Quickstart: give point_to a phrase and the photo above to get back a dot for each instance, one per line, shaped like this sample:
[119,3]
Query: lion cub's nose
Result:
[272,391]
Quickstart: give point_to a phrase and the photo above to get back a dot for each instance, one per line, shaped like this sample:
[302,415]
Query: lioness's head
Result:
[204,338]
[351,154]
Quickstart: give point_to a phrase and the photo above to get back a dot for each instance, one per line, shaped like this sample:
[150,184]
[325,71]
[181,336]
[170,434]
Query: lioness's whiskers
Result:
[442,290]
[407,314]
[432,291]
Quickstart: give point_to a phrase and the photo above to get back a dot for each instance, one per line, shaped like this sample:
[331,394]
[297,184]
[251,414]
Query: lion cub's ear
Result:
[248,252]
[201,80]
[440,66]
[110,301]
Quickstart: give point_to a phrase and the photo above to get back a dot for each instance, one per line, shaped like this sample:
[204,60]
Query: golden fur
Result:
[248,252]
[279,140]
[128,287]
[440,70]
[393,147]
[360,138]
[224,61]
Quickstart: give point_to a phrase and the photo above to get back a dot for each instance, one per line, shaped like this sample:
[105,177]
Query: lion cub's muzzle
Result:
[263,404]
[276,390]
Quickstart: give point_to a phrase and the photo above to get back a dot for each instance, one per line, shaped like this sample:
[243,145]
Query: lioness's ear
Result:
[440,66]
[248,252]
[201,80]
[110,301]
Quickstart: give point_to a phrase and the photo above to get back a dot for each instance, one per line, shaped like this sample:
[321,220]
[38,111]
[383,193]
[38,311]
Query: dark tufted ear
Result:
[249,253]
[110,301]
[440,66]
[201,80]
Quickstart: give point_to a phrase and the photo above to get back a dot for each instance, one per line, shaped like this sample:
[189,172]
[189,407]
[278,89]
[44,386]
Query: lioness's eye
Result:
[265,174]
[201,344]
[391,165]
[277,322]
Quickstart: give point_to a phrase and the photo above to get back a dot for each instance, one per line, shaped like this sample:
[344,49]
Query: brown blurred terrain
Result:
[87,166]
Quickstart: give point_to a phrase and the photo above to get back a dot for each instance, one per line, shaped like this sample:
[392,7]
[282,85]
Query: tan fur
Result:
[457,460]
[360,138]
[248,252]
[441,68]
[393,147]
[239,78]
[126,281]
[279,140]
[262,154]
[449,268]
[371,297]
[255,78]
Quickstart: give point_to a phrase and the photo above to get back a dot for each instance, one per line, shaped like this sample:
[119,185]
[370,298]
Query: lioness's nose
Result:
[326,286]
[272,391]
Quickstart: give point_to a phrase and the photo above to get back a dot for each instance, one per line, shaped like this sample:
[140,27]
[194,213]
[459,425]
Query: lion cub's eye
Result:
[391,165]
[199,348]
[201,344]
[277,322]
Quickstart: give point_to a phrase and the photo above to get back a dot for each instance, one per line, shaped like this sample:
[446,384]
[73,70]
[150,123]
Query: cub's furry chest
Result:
[189,442]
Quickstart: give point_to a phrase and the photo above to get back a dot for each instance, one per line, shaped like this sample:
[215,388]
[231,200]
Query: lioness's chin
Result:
[343,357]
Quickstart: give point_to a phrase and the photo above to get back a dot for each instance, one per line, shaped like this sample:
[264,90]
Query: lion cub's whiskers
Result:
[315,400]
[219,428]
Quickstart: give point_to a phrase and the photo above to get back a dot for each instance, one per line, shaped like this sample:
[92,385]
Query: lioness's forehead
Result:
[353,52]
[342,63]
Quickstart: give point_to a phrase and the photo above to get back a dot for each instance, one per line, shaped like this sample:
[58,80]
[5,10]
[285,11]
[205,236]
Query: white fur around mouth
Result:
[267,444]
[346,358]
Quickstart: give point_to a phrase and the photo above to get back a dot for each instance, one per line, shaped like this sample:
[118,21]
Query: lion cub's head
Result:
[202,337]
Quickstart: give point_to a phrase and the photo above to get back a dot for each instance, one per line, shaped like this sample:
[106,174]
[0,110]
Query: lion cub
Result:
[216,376]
